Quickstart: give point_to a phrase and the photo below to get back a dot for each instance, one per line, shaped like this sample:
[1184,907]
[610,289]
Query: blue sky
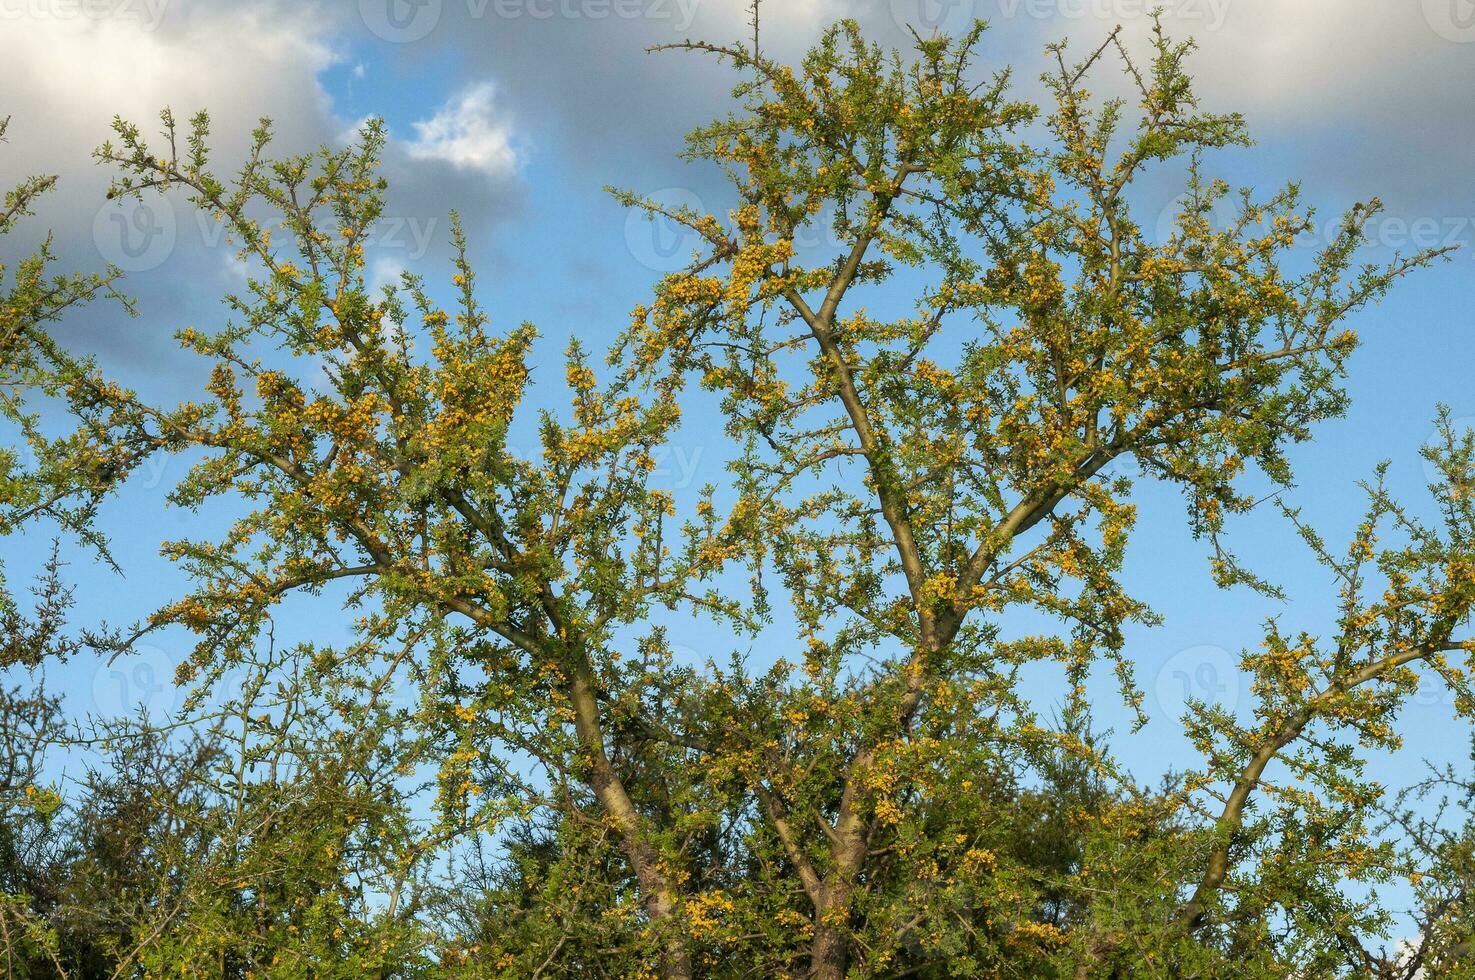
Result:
[517,112]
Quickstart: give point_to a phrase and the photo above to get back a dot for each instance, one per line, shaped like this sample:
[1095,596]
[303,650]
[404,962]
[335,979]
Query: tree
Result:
[395,475]
[46,478]
[972,435]
[270,835]
[882,800]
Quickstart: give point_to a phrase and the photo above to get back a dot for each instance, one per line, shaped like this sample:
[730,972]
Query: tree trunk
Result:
[829,951]
[657,896]
[829,955]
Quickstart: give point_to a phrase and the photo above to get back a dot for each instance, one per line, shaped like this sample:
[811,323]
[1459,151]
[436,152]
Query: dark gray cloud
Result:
[1360,96]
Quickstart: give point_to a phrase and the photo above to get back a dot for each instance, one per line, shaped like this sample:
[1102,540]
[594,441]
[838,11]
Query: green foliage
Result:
[557,796]
[48,479]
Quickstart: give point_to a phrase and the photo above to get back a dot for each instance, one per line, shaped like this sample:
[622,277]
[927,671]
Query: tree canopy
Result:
[924,422]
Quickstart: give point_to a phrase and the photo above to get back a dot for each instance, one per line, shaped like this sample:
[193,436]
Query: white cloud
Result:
[1311,57]
[76,72]
[349,134]
[1291,59]
[466,134]
[73,74]
[384,272]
